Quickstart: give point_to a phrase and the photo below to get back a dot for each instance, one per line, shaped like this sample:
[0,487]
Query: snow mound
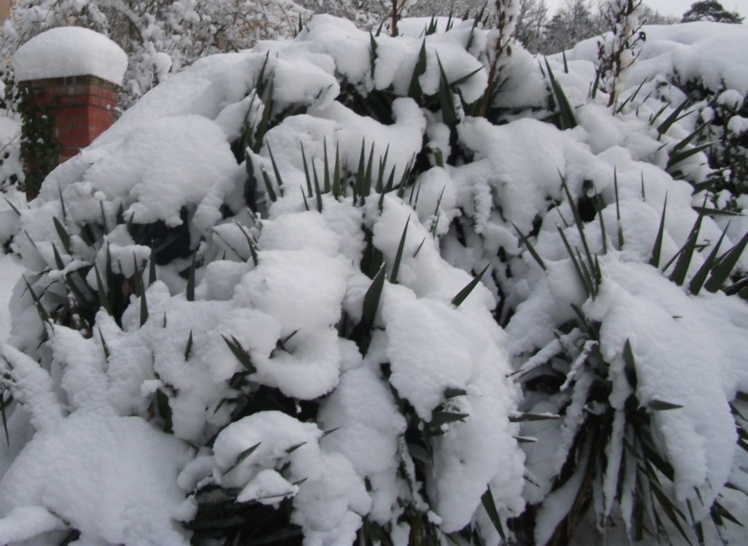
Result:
[65,52]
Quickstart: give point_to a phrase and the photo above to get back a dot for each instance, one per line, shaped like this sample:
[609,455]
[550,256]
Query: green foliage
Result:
[40,150]
[710,10]
[565,117]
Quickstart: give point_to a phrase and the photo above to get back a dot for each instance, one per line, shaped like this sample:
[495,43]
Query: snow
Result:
[700,437]
[123,423]
[70,51]
[161,188]
[696,51]
[123,473]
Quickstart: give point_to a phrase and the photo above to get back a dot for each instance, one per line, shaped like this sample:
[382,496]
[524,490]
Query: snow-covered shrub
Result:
[619,49]
[345,288]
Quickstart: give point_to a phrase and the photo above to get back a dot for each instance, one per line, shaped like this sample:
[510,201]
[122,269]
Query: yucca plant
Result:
[615,464]
[297,336]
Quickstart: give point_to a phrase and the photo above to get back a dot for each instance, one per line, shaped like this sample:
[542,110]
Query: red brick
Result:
[83,107]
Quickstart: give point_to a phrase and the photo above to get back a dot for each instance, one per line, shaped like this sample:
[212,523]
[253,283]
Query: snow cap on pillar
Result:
[70,51]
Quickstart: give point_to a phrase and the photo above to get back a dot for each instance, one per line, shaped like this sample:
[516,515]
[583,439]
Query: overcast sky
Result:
[676,7]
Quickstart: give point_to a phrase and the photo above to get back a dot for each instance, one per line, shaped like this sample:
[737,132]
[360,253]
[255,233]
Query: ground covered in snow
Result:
[254,299]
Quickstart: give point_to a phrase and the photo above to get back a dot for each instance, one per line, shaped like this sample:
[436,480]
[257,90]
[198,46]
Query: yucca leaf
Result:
[373,53]
[360,173]
[151,269]
[306,202]
[104,345]
[188,348]
[687,140]
[12,206]
[382,165]
[671,119]
[268,186]
[721,271]
[306,172]
[567,118]
[590,275]
[37,302]
[525,417]
[578,222]
[295,447]
[81,299]
[493,514]
[711,211]
[585,280]
[63,234]
[452,392]
[190,294]
[628,355]
[266,96]
[722,512]
[338,189]
[661,405]
[414,89]
[698,529]
[441,419]
[603,233]
[368,173]
[654,260]
[250,240]
[399,254]
[280,345]
[681,156]
[391,180]
[278,178]
[371,299]
[446,99]
[3,403]
[317,188]
[671,510]
[653,118]
[240,353]
[595,85]
[698,280]
[678,276]
[530,248]
[103,299]
[250,186]
[58,259]
[418,248]
[164,409]
[406,176]
[466,77]
[140,290]
[327,182]
[242,457]
[630,97]
[469,287]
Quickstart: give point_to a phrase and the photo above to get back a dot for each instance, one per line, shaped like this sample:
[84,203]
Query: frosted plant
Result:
[618,50]
[316,293]
[506,12]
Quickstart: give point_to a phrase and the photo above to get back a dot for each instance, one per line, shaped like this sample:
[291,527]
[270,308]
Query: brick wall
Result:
[83,107]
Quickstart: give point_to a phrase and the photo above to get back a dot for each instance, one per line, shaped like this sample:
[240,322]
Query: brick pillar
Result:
[69,80]
[82,107]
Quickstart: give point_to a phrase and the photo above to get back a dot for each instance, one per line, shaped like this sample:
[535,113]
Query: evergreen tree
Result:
[532,18]
[710,10]
[572,24]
